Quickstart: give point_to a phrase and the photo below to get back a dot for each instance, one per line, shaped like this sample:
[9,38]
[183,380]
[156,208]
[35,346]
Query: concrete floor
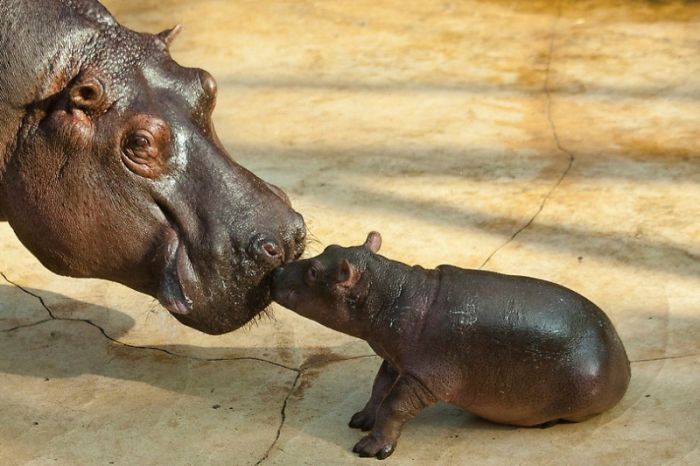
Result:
[558,140]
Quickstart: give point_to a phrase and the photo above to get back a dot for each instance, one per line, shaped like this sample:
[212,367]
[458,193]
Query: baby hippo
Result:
[513,350]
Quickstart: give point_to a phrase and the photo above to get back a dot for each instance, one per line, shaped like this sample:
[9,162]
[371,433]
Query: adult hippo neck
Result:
[110,167]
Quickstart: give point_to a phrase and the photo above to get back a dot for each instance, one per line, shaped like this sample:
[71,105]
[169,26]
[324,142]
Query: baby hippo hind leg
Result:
[405,400]
[382,384]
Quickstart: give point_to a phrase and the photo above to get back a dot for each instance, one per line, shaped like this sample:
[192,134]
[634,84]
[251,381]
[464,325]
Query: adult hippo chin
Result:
[110,167]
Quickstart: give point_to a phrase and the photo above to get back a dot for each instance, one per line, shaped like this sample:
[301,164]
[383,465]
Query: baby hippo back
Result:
[520,350]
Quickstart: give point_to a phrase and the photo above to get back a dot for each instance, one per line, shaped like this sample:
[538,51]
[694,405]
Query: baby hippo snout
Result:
[280,289]
[288,287]
[276,275]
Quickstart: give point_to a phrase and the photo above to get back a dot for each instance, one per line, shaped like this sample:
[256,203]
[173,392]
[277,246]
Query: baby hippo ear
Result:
[168,36]
[348,275]
[373,241]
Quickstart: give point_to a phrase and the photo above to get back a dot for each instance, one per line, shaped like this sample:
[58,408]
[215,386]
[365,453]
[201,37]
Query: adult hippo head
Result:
[110,167]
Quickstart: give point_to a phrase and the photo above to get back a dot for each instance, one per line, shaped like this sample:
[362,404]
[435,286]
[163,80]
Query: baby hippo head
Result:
[330,288]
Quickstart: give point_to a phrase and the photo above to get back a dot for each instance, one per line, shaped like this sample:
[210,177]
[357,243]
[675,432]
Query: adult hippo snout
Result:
[220,241]
[110,167]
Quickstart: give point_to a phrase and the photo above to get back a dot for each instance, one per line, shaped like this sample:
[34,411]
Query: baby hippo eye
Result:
[311,274]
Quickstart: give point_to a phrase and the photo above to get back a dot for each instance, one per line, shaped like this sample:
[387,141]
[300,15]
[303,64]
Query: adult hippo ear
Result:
[85,100]
[110,168]
[88,94]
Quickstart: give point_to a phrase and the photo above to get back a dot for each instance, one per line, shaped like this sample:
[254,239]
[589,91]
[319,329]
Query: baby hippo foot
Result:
[363,420]
[406,398]
[372,446]
[382,384]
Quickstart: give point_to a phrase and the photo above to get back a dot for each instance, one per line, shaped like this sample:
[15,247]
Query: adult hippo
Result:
[110,167]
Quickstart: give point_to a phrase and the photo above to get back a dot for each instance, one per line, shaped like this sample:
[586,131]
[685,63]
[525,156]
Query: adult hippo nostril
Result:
[271,249]
[264,248]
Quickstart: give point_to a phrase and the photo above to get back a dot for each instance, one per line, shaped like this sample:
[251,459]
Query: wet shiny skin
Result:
[116,158]
[513,350]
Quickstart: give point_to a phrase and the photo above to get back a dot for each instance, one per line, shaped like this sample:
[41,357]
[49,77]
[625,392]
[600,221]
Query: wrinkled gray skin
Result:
[110,167]
[514,350]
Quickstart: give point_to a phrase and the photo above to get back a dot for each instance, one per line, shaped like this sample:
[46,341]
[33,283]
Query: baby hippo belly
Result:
[523,351]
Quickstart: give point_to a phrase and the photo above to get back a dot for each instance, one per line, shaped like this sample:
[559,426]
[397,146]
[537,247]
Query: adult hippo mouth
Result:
[180,282]
[178,274]
[110,167]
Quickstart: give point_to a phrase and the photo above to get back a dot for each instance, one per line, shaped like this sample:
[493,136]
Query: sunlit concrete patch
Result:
[72,397]
[645,424]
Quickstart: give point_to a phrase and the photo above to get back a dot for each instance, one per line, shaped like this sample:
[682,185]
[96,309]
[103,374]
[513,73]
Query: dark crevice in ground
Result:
[24,290]
[106,335]
[33,324]
[300,374]
[298,370]
[557,142]
[283,415]
[663,358]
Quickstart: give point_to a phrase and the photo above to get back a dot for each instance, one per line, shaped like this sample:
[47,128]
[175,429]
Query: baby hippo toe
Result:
[370,446]
[362,420]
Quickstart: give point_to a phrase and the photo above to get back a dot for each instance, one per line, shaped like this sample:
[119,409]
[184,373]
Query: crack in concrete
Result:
[53,317]
[283,411]
[663,358]
[283,414]
[41,300]
[557,142]
[33,324]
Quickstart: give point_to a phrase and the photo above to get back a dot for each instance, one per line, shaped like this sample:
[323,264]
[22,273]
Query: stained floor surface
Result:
[554,139]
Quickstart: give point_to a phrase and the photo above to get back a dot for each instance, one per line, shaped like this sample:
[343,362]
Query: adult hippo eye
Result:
[139,147]
[144,150]
[139,142]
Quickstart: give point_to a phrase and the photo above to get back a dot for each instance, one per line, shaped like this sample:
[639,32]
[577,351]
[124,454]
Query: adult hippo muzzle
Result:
[110,167]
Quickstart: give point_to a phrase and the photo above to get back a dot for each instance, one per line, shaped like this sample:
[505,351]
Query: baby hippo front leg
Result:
[382,384]
[405,400]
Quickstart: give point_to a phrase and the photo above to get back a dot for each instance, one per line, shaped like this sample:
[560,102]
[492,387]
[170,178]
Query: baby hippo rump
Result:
[513,350]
